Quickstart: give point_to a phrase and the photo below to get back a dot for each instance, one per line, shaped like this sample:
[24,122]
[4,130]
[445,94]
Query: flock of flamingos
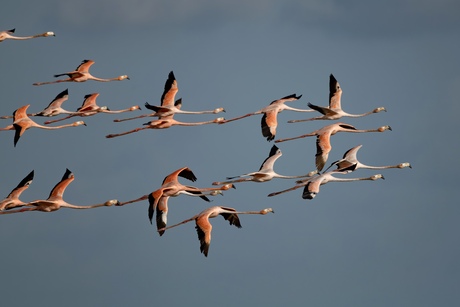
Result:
[164,114]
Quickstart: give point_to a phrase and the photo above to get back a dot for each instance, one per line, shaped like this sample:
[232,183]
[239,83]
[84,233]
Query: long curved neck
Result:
[67,205]
[290,177]
[297,110]
[379,167]
[117,111]
[232,181]
[359,130]
[357,115]
[103,79]
[56,127]
[330,179]
[196,112]
[24,37]
[195,124]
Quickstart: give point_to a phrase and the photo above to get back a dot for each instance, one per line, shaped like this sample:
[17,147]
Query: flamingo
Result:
[350,158]
[265,172]
[89,107]
[172,187]
[323,139]
[311,185]
[82,74]
[203,226]
[55,200]
[12,200]
[22,122]
[8,34]
[269,119]
[54,108]
[334,110]
[168,106]
[166,122]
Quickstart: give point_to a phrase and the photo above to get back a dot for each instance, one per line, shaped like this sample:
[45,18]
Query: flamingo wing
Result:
[170,90]
[335,93]
[269,123]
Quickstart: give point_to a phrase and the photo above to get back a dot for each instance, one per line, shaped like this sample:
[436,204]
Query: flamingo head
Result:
[79,123]
[218,110]
[405,164]
[383,128]
[379,109]
[111,203]
[267,210]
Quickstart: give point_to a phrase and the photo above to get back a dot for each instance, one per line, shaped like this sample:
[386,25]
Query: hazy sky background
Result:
[393,242]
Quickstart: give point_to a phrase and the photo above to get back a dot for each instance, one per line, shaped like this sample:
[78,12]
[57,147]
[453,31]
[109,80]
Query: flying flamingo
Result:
[12,200]
[168,106]
[323,139]
[350,158]
[54,108]
[334,111]
[269,119]
[265,172]
[172,187]
[82,74]
[89,107]
[22,122]
[203,226]
[55,200]
[166,122]
[311,185]
[8,34]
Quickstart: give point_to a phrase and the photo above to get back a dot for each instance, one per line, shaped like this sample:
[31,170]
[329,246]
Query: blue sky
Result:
[383,243]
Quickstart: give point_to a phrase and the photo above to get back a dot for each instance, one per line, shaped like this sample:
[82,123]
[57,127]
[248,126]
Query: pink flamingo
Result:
[55,200]
[203,226]
[266,171]
[22,122]
[171,187]
[350,158]
[269,120]
[53,109]
[334,110]
[311,185]
[165,122]
[8,34]
[323,139]
[168,106]
[82,74]
[12,200]
[89,107]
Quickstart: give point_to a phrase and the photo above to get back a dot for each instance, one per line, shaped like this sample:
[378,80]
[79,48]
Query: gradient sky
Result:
[392,242]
